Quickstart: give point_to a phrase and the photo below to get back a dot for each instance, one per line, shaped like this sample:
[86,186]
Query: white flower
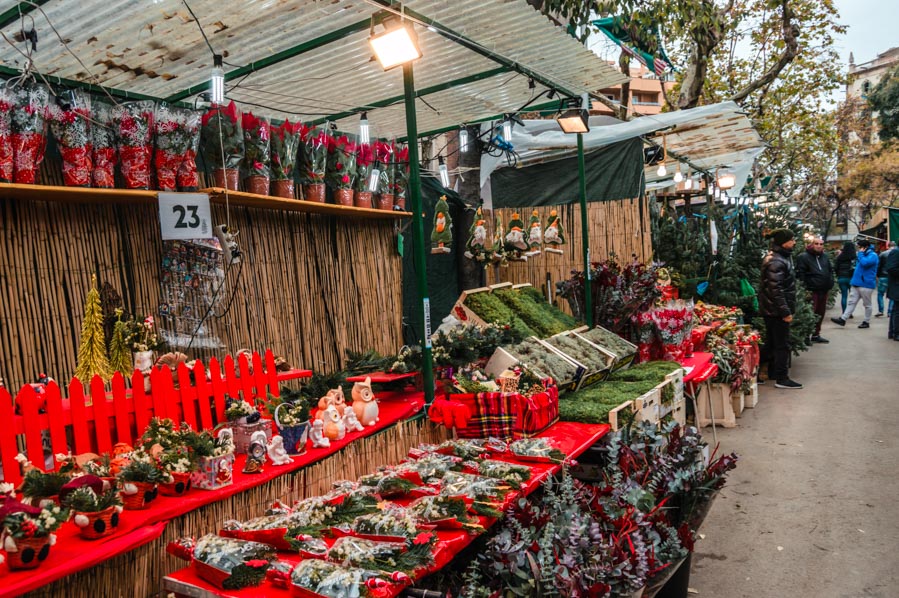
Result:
[7,488]
[62,456]
[22,459]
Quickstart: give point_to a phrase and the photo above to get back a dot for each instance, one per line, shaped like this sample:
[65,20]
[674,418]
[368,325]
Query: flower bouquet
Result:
[70,121]
[313,162]
[292,420]
[674,321]
[383,556]
[365,163]
[257,153]
[342,168]
[221,139]
[465,448]
[228,563]
[96,514]
[28,532]
[177,132]
[6,152]
[384,164]
[134,134]
[391,522]
[488,494]
[537,449]
[446,512]
[103,141]
[400,176]
[512,474]
[29,141]
[268,529]
[390,482]
[143,341]
[645,333]
[285,146]
[314,515]
[321,578]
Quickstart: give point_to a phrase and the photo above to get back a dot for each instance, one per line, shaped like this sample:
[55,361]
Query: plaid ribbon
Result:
[495,414]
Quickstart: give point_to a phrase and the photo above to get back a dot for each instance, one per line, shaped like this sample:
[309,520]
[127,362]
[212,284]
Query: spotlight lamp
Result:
[688,182]
[576,119]
[396,46]
[726,179]
[678,176]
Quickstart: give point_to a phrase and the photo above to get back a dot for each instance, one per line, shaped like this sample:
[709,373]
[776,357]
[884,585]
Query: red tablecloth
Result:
[72,554]
[381,377]
[571,438]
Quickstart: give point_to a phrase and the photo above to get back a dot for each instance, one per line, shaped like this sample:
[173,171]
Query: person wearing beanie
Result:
[814,270]
[863,282]
[777,302]
[844,266]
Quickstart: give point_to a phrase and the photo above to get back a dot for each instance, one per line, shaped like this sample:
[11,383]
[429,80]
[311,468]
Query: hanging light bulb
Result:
[678,177]
[374,180]
[463,139]
[444,173]
[363,128]
[217,85]
[688,182]
[662,171]
[507,130]
[710,189]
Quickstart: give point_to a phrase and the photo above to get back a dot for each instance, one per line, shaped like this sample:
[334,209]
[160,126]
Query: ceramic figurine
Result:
[351,422]
[333,397]
[276,453]
[256,453]
[226,437]
[364,403]
[334,428]
[339,400]
[317,435]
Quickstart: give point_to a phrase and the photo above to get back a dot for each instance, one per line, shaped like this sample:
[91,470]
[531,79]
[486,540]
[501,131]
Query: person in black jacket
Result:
[814,270]
[777,302]
[891,269]
[844,266]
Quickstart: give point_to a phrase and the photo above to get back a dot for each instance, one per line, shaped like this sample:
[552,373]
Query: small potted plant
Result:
[215,458]
[292,421]
[180,464]
[144,341]
[96,515]
[244,420]
[139,480]
[102,468]
[40,488]
[240,412]
[28,533]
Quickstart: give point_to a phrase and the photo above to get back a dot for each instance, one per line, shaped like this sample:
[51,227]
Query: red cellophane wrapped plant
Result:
[70,121]
[400,175]
[365,161]
[6,154]
[177,132]
[285,145]
[222,142]
[342,168]
[134,133]
[257,152]
[103,140]
[29,141]
[384,162]
[314,154]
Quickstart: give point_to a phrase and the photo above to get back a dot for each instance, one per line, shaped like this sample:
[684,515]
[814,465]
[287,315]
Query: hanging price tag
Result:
[185,216]
[427,309]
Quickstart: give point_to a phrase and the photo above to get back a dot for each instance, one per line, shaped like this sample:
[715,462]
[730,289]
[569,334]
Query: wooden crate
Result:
[736,399]
[649,406]
[751,399]
[676,410]
[581,369]
[721,403]
[590,377]
[466,315]
[616,413]
[673,385]
[502,360]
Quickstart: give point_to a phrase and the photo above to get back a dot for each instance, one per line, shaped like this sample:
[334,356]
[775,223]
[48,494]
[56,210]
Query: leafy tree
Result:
[885,101]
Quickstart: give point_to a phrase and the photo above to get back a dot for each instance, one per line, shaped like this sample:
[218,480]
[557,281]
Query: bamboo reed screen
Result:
[618,227]
[311,286]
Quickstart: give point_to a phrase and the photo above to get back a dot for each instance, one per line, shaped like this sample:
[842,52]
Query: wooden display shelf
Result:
[216,195]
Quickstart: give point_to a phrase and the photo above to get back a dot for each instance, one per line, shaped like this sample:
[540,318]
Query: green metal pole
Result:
[418,233]
[585,233]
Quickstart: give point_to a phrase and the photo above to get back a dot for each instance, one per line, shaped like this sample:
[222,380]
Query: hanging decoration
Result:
[535,235]
[92,358]
[516,242]
[442,234]
[29,141]
[476,248]
[499,255]
[70,122]
[553,234]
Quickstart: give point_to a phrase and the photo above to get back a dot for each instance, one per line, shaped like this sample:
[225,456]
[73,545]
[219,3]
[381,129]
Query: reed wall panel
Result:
[311,285]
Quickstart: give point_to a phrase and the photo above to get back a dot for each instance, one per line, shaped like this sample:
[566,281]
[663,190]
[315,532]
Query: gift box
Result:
[497,414]
[213,472]
[244,432]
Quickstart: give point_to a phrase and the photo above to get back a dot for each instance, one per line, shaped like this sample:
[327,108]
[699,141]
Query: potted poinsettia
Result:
[140,479]
[70,121]
[285,145]
[134,132]
[384,163]
[95,515]
[400,175]
[28,532]
[342,169]
[365,162]
[221,138]
[257,153]
[29,125]
[177,133]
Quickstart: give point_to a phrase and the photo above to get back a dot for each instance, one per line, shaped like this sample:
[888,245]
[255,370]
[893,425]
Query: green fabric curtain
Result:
[613,172]
[894,224]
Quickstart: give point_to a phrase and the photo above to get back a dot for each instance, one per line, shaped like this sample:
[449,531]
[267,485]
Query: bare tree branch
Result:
[791,49]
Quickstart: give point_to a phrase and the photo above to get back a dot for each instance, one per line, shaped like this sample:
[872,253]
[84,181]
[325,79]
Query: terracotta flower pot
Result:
[400,202]
[362,199]
[92,526]
[256,184]
[141,499]
[179,486]
[343,197]
[283,189]
[227,178]
[385,201]
[314,192]
[30,553]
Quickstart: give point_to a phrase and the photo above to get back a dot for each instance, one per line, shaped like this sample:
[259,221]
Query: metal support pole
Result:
[585,233]
[418,233]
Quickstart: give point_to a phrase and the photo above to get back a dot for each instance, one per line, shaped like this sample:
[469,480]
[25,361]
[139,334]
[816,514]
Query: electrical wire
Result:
[203,33]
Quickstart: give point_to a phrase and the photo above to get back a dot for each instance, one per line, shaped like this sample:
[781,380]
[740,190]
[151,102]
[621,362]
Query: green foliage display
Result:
[491,309]
[884,100]
[85,500]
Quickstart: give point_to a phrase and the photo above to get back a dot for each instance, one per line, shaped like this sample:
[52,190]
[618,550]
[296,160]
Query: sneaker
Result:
[839,321]
[864,325]
[850,317]
[878,314]
[787,383]
[820,339]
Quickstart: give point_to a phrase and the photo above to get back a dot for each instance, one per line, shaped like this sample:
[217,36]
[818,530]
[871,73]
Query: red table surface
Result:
[72,554]
[703,368]
[570,437]
[381,377]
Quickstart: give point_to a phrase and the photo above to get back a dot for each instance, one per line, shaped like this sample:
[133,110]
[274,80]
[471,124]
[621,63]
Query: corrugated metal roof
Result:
[155,48]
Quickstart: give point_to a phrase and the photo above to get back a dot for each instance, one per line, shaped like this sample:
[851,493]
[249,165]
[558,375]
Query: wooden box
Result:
[751,399]
[718,396]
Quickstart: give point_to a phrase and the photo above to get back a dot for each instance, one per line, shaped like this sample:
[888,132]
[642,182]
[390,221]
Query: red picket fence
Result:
[94,419]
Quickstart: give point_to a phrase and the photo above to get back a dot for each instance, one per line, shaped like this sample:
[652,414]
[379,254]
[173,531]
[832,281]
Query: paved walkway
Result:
[812,510]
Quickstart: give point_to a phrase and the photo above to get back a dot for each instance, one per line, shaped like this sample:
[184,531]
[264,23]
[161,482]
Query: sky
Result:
[872,28]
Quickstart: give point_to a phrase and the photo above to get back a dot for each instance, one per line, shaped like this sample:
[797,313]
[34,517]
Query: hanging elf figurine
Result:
[442,235]
[516,241]
[553,236]
[535,235]
[499,246]
[476,248]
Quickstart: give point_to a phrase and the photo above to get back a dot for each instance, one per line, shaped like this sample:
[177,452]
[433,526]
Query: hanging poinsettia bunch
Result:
[177,132]
[134,132]
[70,121]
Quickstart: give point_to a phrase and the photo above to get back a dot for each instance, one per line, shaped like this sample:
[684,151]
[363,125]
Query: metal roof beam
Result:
[11,15]
[307,46]
[418,93]
[547,107]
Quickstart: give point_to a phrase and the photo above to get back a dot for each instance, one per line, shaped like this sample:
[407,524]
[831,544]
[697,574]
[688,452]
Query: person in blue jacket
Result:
[863,283]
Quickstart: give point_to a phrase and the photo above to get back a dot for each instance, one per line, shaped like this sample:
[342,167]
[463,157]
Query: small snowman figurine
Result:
[317,435]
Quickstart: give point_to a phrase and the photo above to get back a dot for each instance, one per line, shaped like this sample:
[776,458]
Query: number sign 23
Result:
[185,216]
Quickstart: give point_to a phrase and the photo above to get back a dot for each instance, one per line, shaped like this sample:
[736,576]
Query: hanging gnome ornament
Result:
[442,235]
[516,241]
[499,244]
[476,248]
[553,235]
[535,235]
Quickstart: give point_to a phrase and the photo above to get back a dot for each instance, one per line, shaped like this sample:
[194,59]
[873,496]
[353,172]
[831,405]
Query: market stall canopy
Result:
[308,60]
[713,136]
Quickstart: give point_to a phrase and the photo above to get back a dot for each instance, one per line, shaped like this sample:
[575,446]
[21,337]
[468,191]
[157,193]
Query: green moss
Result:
[580,351]
[584,411]
[609,340]
[539,315]
[491,309]
[652,370]
[560,316]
